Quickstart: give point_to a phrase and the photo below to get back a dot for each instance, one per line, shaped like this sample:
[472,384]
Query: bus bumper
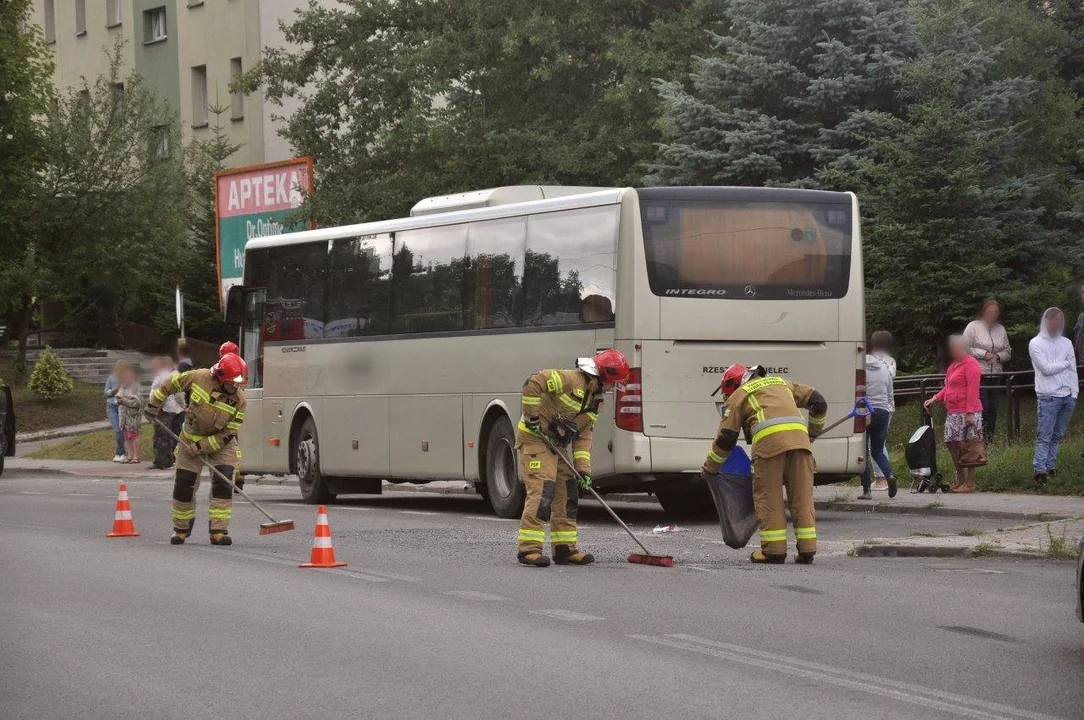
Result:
[642,460]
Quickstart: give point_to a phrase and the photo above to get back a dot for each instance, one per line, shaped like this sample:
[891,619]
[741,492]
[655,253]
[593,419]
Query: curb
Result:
[939,510]
[945,551]
[57,433]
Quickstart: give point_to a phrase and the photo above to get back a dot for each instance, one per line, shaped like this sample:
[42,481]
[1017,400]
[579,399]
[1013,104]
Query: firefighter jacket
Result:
[555,398]
[214,416]
[766,410]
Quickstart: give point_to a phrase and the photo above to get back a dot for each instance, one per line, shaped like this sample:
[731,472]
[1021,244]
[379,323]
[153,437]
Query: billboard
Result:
[253,202]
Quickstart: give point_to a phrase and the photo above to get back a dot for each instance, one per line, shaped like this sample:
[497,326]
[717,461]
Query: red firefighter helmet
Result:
[227,348]
[609,366]
[230,368]
[732,378]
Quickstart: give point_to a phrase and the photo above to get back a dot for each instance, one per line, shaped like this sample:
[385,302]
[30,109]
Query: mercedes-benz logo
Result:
[750,291]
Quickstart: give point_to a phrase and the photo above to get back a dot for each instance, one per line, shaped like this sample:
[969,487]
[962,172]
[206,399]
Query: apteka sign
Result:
[254,202]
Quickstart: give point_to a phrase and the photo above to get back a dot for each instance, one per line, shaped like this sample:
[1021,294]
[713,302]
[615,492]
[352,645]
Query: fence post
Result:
[1010,419]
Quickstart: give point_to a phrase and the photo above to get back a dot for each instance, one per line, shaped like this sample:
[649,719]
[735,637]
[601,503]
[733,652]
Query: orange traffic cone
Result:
[122,521]
[323,555]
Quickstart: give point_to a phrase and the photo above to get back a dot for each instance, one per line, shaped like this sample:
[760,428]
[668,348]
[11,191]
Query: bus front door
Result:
[252,335]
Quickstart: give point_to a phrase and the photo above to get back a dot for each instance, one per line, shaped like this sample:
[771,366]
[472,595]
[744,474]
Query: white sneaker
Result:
[119,458]
[881,484]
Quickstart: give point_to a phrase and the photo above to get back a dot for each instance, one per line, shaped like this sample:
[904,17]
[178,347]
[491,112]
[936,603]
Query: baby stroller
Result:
[921,454]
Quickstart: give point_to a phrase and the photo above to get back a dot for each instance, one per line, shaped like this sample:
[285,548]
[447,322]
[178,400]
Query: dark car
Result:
[7,426]
[1080,581]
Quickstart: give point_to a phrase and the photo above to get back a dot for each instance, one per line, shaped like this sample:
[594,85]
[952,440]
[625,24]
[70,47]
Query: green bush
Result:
[49,379]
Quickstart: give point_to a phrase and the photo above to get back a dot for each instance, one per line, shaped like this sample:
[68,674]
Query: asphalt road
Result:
[433,618]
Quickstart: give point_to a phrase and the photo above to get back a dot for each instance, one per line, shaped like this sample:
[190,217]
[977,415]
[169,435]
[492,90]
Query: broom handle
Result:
[212,468]
[863,402]
[598,497]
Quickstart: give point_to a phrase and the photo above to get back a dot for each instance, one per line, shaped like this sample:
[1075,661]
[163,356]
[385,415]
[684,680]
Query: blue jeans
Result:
[113,413]
[876,434]
[1054,414]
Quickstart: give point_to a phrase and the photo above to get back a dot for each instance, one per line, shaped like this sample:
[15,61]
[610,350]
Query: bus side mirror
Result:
[235,306]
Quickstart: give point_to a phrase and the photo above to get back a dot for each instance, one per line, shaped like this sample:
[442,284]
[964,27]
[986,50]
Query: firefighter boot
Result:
[564,555]
[533,558]
[221,538]
[179,536]
[771,559]
[804,558]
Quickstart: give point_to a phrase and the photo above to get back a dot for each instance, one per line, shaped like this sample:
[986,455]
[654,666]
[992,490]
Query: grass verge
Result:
[32,413]
[97,445]
[1009,463]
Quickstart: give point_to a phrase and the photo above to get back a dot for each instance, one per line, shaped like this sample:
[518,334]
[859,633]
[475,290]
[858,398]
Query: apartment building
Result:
[188,51]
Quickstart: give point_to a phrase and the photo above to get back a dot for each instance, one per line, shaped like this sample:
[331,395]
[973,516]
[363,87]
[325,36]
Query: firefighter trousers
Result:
[186,482]
[794,470]
[550,485]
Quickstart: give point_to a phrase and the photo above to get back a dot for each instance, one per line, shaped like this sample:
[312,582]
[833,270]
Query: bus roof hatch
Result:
[495,196]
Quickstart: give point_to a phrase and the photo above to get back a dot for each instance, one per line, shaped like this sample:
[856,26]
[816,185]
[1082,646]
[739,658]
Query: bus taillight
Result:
[629,414]
[859,392]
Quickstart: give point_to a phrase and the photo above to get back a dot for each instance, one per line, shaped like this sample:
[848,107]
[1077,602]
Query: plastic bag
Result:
[732,490]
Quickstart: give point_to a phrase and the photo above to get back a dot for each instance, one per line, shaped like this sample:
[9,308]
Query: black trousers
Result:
[990,395]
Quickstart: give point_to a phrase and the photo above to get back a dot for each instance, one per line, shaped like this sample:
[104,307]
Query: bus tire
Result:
[306,462]
[505,490]
[686,500]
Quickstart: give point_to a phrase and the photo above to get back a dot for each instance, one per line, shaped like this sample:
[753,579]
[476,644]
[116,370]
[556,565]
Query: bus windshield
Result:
[743,248]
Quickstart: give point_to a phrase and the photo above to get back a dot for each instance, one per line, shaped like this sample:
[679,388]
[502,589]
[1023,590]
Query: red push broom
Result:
[645,558]
[267,528]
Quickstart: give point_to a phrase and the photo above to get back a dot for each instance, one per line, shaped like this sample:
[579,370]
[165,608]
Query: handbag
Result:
[971,453]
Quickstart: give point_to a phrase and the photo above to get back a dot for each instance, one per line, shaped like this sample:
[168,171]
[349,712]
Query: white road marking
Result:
[288,563]
[490,518]
[905,692]
[91,495]
[417,512]
[474,595]
[697,568]
[559,614]
[29,492]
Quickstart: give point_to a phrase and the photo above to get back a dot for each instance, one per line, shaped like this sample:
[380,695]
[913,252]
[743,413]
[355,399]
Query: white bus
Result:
[396,350]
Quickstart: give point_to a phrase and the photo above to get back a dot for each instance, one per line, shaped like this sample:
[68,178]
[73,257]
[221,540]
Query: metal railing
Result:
[1014,385]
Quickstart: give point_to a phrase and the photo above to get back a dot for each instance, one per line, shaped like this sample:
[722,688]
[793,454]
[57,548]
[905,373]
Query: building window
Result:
[80,18]
[114,13]
[237,98]
[194,3]
[161,141]
[154,25]
[199,96]
[50,22]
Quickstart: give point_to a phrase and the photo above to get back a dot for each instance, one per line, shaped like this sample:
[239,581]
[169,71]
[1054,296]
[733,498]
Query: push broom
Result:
[645,558]
[267,528]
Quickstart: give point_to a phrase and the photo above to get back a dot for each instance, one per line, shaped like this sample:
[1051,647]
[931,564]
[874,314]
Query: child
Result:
[130,402]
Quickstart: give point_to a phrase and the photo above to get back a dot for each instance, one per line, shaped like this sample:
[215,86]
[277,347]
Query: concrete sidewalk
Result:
[1056,540]
[60,432]
[1006,506]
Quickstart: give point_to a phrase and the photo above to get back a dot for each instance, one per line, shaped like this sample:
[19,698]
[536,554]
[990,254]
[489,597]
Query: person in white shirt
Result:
[1056,388]
[880,371]
[988,342]
[881,349]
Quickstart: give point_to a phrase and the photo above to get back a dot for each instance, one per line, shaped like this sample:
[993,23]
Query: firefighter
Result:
[211,424]
[766,410]
[560,408]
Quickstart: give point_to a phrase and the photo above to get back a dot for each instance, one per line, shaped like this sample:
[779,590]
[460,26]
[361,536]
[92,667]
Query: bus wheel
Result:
[688,500]
[307,462]
[505,491]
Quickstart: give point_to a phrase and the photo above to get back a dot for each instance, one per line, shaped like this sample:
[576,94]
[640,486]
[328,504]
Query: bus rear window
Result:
[747,250]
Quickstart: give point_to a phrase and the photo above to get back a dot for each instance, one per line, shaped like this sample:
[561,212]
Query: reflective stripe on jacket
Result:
[561,395]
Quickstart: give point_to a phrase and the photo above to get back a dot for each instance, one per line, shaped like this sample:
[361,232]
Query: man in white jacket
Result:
[1056,387]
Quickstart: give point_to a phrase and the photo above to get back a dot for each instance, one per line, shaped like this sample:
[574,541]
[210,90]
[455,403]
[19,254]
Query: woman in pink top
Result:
[961,398]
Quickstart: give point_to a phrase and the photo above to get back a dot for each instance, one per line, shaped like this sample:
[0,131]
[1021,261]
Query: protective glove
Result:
[585,483]
[151,412]
[201,448]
